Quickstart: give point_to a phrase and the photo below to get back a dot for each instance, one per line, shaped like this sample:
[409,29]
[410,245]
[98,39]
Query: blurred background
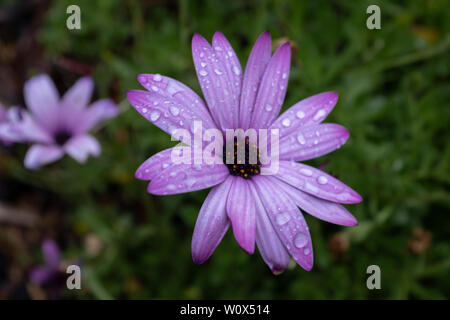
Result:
[394,87]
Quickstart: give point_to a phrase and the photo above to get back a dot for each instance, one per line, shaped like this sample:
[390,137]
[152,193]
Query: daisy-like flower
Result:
[262,209]
[57,126]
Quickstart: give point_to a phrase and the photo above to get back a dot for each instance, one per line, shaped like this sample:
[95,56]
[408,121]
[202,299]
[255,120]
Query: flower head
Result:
[50,271]
[261,208]
[57,126]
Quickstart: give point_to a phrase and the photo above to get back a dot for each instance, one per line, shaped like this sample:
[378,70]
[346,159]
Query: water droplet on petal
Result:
[218,72]
[301,139]
[286,122]
[174,111]
[171,187]
[300,240]
[236,70]
[269,107]
[312,188]
[203,73]
[157,77]
[300,114]
[284,75]
[319,114]
[283,218]
[144,110]
[155,115]
[306,251]
[306,172]
[154,88]
[322,180]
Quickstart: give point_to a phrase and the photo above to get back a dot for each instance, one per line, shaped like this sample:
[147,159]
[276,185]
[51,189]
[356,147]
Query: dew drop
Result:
[203,73]
[286,122]
[174,111]
[300,240]
[155,115]
[312,188]
[144,110]
[283,218]
[322,180]
[154,88]
[306,251]
[171,187]
[284,75]
[236,70]
[157,77]
[300,114]
[319,114]
[301,139]
[269,107]
[306,172]
[218,72]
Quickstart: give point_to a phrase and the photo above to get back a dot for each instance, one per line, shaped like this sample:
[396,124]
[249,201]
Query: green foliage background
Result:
[394,98]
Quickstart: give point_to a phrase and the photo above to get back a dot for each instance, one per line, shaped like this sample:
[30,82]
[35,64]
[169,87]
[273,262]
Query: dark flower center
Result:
[237,167]
[62,136]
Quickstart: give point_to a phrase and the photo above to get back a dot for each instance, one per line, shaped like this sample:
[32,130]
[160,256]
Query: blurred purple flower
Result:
[50,271]
[57,125]
[261,209]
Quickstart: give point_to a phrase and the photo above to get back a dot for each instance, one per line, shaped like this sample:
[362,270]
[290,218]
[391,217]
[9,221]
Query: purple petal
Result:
[227,56]
[254,70]
[79,95]
[39,155]
[319,208]
[42,99]
[98,111]
[269,244]
[179,92]
[272,89]
[287,220]
[165,113]
[212,223]
[154,165]
[312,141]
[25,127]
[241,211]
[309,111]
[82,146]
[217,89]
[180,178]
[51,252]
[316,182]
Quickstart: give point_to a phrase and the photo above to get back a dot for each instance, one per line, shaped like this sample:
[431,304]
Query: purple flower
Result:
[50,271]
[57,125]
[262,209]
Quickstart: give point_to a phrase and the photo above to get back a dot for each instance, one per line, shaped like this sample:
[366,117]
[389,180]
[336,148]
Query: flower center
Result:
[62,136]
[245,161]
